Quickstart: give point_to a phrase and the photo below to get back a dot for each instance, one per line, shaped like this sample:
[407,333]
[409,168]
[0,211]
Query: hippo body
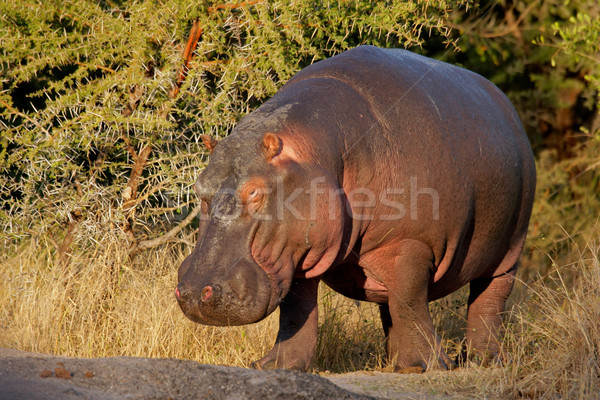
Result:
[392,177]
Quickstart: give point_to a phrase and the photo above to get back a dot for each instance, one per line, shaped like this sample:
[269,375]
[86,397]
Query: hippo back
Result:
[446,128]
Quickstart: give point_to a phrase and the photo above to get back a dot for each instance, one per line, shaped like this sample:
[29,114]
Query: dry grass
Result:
[350,335]
[553,340]
[103,305]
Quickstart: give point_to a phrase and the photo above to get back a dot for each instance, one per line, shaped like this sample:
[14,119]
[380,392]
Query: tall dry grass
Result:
[553,340]
[106,305]
[350,335]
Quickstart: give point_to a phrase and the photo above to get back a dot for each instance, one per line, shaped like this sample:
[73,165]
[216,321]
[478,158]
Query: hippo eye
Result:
[252,194]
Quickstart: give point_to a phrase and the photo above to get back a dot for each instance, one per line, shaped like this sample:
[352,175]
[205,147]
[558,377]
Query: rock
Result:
[45,373]
[62,373]
[144,378]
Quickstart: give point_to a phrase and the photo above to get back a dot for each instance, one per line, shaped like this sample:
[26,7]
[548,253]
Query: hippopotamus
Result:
[391,177]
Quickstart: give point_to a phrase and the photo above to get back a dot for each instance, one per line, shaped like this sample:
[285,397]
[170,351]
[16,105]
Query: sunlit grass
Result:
[106,305]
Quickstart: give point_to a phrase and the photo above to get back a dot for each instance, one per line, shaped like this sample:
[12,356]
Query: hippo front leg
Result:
[297,336]
[411,338]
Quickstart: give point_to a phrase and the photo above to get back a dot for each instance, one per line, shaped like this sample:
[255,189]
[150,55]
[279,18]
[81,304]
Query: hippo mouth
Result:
[243,297]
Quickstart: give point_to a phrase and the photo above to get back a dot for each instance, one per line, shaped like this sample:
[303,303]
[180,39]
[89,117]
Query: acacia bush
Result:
[545,55]
[102,103]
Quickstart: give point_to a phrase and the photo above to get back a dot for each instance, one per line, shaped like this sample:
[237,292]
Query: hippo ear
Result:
[209,142]
[271,146]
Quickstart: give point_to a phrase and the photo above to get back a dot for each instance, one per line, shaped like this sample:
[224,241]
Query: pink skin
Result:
[206,293]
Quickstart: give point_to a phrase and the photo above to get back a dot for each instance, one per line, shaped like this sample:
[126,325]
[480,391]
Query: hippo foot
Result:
[442,362]
[481,359]
[420,357]
[269,363]
[409,370]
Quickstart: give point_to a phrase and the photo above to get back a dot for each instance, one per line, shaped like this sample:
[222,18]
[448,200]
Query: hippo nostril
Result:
[182,292]
[207,292]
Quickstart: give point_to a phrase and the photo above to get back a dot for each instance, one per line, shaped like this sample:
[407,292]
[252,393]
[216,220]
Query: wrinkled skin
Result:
[391,177]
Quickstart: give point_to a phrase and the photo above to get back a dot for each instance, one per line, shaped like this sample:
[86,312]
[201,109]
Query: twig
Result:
[234,6]
[566,50]
[139,162]
[167,237]
[15,111]
[463,27]
[192,43]
[112,71]
[514,26]
[188,53]
[135,94]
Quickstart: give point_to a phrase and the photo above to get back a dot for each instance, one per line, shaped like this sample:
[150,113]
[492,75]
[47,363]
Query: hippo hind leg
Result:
[487,301]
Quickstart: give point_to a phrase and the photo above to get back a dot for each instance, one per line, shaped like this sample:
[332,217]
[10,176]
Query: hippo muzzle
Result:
[237,294]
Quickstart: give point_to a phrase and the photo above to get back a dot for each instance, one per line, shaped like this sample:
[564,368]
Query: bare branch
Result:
[513,27]
[188,53]
[167,237]
[139,163]
[192,43]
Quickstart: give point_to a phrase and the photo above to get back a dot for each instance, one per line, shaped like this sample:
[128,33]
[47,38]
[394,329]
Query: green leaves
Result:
[86,86]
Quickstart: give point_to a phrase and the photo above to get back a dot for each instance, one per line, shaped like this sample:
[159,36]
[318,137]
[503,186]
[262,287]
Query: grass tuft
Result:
[553,340]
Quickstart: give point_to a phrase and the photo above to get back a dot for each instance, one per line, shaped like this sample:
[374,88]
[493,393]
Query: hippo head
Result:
[267,215]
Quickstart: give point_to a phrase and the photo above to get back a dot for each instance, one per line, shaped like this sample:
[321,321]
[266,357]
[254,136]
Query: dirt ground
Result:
[36,376]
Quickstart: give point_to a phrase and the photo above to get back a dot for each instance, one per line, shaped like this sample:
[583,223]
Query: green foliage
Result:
[543,54]
[580,41]
[567,209]
[100,135]
[97,143]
